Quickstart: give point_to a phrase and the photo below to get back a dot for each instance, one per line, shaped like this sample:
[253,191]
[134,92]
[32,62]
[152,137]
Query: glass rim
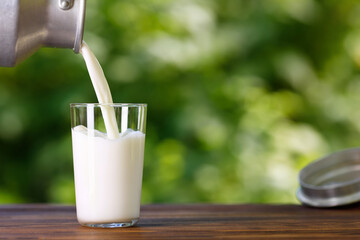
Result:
[108,104]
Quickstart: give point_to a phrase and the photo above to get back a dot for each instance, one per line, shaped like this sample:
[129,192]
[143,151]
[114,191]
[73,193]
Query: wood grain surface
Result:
[187,222]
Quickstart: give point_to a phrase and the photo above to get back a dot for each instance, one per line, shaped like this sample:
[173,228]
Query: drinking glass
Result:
[108,152]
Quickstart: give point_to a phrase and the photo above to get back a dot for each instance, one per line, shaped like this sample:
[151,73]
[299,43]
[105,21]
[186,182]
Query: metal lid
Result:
[331,181]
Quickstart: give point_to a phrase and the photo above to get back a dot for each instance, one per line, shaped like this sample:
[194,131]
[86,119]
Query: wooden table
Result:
[187,222]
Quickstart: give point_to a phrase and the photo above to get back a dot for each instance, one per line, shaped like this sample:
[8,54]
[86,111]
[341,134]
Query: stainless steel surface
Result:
[331,181]
[79,25]
[26,25]
[8,31]
[66,4]
[65,28]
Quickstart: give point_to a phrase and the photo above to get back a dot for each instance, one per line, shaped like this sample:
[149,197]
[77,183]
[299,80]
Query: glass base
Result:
[112,225]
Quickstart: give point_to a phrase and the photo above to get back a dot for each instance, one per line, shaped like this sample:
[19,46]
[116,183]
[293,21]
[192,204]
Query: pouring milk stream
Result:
[102,90]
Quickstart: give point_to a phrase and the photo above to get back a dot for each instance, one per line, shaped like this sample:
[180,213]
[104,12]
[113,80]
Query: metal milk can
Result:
[27,25]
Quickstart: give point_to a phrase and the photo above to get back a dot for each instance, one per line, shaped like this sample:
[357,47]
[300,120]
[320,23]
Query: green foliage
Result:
[241,95]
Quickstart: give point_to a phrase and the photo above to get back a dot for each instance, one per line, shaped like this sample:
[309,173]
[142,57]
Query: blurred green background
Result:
[241,95]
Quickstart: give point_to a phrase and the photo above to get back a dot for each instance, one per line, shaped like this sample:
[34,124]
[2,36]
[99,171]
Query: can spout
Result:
[65,24]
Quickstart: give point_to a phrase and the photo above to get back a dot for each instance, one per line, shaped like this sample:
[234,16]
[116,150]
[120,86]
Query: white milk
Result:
[102,90]
[108,176]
